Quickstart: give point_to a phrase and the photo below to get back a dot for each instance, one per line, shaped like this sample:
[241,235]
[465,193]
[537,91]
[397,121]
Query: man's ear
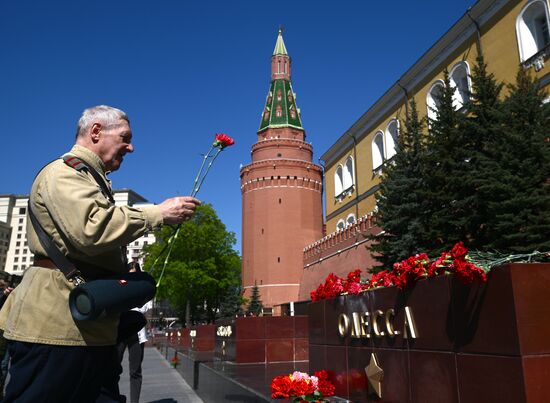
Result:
[95,131]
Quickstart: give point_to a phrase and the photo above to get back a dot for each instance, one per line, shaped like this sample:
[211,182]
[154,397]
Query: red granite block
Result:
[531,283]
[433,376]
[337,367]
[429,301]
[301,328]
[301,349]
[536,372]
[488,378]
[279,350]
[316,322]
[250,328]
[279,327]
[317,358]
[333,308]
[249,351]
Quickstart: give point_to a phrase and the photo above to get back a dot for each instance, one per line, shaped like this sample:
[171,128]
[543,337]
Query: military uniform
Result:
[89,230]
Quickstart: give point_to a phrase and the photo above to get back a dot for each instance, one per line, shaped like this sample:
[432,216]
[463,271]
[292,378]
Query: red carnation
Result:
[459,251]
[281,387]
[302,387]
[326,387]
[223,140]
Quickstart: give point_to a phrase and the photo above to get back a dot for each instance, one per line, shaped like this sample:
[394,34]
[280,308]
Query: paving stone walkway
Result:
[161,383]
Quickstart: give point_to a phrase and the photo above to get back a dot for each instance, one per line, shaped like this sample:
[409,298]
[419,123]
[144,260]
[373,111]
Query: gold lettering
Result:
[377,314]
[365,325]
[343,324]
[390,314]
[356,329]
[409,327]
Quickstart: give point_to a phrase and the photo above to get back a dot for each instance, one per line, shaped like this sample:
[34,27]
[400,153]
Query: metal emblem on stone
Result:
[375,375]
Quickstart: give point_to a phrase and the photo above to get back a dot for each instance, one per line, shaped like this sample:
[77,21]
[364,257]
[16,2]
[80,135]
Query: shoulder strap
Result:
[53,252]
[79,165]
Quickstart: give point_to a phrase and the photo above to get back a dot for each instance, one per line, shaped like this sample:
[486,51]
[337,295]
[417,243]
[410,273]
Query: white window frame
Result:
[340,225]
[431,103]
[350,216]
[460,95]
[348,179]
[377,153]
[391,143]
[528,45]
[338,181]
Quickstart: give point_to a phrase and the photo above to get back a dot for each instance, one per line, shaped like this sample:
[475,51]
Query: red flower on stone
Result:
[302,387]
[459,251]
[223,140]
[281,387]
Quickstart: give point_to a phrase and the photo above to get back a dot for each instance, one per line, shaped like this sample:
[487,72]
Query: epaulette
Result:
[74,162]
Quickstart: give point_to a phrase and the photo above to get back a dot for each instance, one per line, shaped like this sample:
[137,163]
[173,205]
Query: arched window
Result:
[338,188]
[350,220]
[432,100]
[340,225]
[532,29]
[392,131]
[378,150]
[348,174]
[460,81]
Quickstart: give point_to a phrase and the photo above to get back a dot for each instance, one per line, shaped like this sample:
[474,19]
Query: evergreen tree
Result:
[255,307]
[447,173]
[231,302]
[401,206]
[519,190]
[482,129]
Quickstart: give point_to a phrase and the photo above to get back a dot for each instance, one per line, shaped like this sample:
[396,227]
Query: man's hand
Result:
[178,209]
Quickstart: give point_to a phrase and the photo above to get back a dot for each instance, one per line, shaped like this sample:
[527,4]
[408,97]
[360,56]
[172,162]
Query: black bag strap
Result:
[61,261]
[63,264]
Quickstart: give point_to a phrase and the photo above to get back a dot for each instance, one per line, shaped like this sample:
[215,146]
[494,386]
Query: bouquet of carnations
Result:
[301,387]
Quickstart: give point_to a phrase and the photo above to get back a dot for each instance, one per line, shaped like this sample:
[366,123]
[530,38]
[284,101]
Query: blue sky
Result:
[185,70]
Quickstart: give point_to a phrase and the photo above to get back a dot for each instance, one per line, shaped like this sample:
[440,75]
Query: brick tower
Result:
[281,194]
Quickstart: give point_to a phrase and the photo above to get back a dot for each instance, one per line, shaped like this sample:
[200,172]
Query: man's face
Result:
[115,141]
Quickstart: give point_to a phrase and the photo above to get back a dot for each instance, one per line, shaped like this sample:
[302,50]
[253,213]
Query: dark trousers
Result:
[135,358]
[41,373]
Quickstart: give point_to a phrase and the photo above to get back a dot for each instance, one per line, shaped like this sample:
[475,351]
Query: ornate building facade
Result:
[281,194]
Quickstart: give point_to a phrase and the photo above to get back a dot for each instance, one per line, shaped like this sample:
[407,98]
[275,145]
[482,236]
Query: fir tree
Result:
[255,307]
[482,129]
[520,189]
[231,302]
[400,201]
[447,174]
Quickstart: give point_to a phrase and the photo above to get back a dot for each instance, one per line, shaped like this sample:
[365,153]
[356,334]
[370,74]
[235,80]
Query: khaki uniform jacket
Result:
[85,226]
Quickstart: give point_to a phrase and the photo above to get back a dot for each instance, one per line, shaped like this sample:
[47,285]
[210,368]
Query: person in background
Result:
[135,345]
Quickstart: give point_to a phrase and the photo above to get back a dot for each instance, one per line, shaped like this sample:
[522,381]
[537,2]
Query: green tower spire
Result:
[280,108]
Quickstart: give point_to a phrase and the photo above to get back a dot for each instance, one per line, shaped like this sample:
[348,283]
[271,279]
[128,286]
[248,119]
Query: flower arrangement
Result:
[174,361]
[404,274]
[301,387]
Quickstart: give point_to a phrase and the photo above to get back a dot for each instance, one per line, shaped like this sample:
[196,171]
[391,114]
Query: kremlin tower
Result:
[281,194]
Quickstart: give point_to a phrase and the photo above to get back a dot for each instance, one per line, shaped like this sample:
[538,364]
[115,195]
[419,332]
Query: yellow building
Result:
[508,33]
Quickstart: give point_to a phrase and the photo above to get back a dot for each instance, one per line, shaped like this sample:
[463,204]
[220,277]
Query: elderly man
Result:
[54,358]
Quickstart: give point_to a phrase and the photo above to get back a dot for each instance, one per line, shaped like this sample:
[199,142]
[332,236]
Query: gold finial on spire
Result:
[280,48]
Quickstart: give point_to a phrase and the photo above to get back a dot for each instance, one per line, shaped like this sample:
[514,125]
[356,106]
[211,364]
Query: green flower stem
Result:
[196,187]
[196,190]
[171,243]
[200,170]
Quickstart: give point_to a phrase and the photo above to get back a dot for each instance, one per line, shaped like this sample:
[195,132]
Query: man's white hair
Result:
[103,114]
